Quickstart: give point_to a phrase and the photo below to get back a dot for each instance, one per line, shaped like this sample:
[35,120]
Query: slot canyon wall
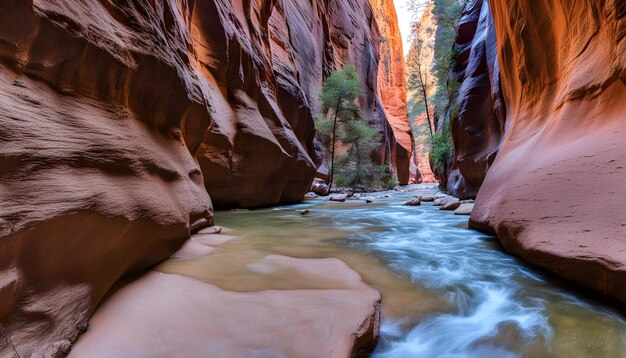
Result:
[477,112]
[118,117]
[554,193]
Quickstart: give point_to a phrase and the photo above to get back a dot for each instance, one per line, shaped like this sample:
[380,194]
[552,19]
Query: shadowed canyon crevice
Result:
[477,113]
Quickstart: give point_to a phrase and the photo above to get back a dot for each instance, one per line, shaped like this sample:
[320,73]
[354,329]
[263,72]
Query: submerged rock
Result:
[303,212]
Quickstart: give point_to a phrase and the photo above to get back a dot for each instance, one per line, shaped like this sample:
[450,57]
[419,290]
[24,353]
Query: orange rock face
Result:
[392,89]
[424,171]
[555,193]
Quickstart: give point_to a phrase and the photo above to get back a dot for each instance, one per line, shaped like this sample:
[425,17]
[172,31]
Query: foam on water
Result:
[495,298]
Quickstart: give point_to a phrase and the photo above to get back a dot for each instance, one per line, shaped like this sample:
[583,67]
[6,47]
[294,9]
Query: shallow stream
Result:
[448,291]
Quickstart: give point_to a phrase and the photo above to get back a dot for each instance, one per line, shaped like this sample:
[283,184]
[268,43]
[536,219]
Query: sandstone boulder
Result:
[414,202]
[197,319]
[319,188]
[447,203]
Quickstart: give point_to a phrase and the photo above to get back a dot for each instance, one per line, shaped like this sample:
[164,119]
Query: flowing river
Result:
[447,291]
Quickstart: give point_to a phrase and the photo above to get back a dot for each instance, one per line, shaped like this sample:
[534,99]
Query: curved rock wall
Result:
[259,148]
[477,113]
[555,193]
[100,107]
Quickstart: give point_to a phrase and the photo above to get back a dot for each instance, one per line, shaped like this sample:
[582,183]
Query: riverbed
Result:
[446,290]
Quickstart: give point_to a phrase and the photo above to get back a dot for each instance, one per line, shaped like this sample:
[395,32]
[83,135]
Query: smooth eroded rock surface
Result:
[164,315]
[117,115]
[555,194]
[97,178]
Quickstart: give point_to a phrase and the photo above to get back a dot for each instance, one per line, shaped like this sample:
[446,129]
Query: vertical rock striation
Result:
[555,193]
[392,89]
[477,113]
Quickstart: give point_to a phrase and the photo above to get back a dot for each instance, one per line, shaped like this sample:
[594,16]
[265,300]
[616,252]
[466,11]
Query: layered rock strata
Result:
[97,179]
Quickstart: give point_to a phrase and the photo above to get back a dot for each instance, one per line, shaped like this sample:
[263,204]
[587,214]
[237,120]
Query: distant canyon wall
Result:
[267,64]
[392,90]
[547,148]
[120,118]
[423,50]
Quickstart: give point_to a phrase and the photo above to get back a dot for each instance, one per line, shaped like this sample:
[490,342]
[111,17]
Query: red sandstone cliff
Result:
[116,115]
[555,193]
[392,89]
[422,52]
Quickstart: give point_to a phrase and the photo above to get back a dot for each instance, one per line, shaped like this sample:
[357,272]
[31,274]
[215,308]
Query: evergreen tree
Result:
[356,167]
[342,123]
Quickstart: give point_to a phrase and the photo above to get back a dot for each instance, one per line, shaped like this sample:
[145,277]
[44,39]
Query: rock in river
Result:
[414,202]
[338,197]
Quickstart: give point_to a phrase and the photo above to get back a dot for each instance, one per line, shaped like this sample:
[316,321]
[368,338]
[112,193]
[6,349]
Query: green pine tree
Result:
[342,123]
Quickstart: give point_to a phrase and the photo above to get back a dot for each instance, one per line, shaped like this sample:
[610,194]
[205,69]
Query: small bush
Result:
[442,148]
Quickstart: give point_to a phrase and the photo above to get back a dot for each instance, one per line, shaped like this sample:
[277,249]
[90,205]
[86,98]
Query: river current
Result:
[447,291]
